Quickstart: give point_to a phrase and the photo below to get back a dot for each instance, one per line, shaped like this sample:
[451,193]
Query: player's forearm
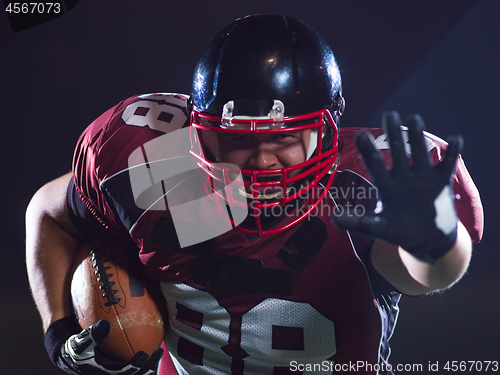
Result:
[414,277]
[50,251]
[49,262]
[446,270]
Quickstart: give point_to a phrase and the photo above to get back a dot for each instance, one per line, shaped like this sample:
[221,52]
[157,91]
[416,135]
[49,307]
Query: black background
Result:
[438,58]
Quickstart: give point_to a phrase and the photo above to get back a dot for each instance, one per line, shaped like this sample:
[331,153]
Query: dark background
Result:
[438,58]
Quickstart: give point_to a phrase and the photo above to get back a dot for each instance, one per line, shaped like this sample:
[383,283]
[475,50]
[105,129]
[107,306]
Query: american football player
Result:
[281,241]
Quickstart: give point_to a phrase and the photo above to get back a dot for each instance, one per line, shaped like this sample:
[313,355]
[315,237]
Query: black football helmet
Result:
[268,74]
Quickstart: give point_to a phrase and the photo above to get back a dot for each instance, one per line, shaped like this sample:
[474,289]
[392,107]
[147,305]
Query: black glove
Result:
[418,211]
[77,353]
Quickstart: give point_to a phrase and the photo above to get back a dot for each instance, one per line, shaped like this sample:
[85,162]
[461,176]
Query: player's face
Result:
[262,151]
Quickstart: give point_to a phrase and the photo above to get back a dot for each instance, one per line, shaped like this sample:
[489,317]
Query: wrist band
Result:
[436,249]
[57,334]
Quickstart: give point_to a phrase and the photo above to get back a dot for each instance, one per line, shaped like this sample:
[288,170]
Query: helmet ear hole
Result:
[338,105]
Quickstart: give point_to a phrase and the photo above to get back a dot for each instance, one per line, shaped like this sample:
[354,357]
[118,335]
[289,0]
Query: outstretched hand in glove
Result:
[418,211]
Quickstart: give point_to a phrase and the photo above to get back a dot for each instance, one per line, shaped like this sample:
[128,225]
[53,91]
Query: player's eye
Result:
[284,135]
[287,137]
[241,139]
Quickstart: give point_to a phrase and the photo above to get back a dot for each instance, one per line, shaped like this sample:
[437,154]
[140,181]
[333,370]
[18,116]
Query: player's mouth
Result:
[266,188]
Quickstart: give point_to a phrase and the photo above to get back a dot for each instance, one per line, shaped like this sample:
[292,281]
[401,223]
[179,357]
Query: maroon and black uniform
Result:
[239,304]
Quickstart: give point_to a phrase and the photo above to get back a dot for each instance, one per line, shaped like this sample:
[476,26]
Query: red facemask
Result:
[263,189]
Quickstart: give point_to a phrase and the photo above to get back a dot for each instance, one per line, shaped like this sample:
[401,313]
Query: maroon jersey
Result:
[306,299]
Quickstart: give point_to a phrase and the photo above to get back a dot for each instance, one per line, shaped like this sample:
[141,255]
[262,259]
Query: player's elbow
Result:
[50,202]
[447,270]
[35,211]
[454,264]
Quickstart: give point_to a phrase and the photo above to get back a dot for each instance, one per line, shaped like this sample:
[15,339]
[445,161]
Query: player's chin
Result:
[268,188]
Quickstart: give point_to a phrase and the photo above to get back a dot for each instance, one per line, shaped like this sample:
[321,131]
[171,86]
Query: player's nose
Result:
[263,157]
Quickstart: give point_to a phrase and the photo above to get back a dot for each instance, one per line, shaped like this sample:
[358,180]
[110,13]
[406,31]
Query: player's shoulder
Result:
[350,158]
[160,98]
[157,112]
[118,135]
[163,112]
[347,135]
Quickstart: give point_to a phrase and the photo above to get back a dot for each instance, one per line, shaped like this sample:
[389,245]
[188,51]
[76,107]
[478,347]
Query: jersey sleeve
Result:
[110,146]
[79,214]
[468,202]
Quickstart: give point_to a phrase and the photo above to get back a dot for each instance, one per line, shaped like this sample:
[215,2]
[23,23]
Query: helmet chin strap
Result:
[276,195]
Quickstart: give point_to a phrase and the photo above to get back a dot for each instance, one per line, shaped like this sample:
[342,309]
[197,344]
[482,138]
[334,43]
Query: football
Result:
[108,284]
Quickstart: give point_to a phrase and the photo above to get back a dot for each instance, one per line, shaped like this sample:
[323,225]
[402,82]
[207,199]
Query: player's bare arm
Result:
[414,277]
[422,246]
[51,244]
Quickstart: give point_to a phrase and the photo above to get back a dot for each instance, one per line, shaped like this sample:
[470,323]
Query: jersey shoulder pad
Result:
[118,140]
[351,159]
[110,140]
